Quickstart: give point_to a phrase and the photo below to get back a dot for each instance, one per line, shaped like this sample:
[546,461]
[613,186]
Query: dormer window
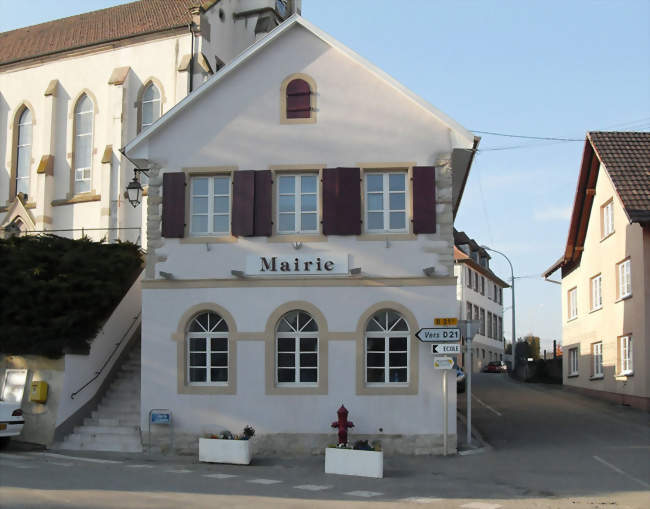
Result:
[299,99]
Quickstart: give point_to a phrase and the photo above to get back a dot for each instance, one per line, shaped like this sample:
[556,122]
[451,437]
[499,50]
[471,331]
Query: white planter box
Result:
[351,462]
[215,450]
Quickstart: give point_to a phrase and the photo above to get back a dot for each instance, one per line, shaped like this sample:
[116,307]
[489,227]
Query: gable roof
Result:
[97,27]
[625,157]
[469,139]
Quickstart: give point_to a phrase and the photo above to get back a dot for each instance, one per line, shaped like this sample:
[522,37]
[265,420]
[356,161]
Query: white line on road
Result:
[14,456]
[264,481]
[312,487]
[74,458]
[139,466]
[178,471]
[219,476]
[364,494]
[481,505]
[486,406]
[616,469]
[60,463]
[422,500]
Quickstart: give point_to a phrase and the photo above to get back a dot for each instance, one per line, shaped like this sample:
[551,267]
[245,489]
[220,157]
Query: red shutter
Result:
[243,203]
[298,99]
[262,223]
[173,205]
[341,201]
[424,199]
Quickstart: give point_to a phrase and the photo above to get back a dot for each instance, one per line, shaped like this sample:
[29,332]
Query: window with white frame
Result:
[476,281]
[83,144]
[489,324]
[24,151]
[210,205]
[607,218]
[475,312]
[387,349]
[469,278]
[596,293]
[572,303]
[573,361]
[207,350]
[468,314]
[149,106]
[482,330]
[627,366]
[297,203]
[597,357]
[500,329]
[386,202]
[624,279]
[482,285]
[297,349]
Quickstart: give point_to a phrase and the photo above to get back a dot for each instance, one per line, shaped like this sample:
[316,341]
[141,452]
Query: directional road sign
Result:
[443,362]
[445,322]
[439,334]
[445,348]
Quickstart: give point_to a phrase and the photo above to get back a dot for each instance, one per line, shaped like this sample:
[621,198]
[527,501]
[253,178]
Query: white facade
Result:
[236,123]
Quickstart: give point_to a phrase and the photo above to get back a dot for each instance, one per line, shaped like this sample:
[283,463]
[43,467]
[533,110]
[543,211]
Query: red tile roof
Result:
[97,27]
[626,156]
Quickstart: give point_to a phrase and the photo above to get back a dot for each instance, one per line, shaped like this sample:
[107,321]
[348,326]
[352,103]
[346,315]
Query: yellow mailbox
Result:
[38,394]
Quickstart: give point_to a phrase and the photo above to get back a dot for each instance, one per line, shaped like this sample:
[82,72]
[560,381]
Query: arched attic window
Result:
[298,99]
[149,106]
[23,151]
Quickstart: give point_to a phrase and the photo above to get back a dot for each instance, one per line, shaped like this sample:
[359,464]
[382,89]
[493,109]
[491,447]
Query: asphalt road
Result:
[548,449]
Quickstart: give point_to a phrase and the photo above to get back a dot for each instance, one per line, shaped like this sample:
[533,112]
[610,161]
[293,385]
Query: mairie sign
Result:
[438,334]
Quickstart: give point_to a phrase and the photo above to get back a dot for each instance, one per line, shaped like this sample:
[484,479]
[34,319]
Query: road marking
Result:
[74,458]
[14,456]
[139,466]
[21,466]
[616,469]
[178,471]
[422,500]
[481,505]
[264,481]
[490,409]
[312,487]
[469,452]
[364,494]
[60,463]
[219,476]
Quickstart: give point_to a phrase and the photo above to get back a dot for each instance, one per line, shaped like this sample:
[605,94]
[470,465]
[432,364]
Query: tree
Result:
[534,343]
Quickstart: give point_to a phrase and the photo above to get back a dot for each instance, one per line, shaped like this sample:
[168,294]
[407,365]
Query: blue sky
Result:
[534,68]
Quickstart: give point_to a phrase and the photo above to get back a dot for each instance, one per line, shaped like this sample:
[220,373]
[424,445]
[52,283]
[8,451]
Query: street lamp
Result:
[134,188]
[512,279]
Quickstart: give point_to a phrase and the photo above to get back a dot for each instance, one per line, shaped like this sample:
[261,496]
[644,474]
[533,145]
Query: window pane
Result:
[397,344]
[287,222]
[375,202]
[310,326]
[287,203]
[22,166]
[199,224]
[198,359]
[219,344]
[197,375]
[308,222]
[197,343]
[286,360]
[398,375]
[308,183]
[200,205]
[397,359]
[308,360]
[393,318]
[374,182]
[308,375]
[200,186]
[286,344]
[375,344]
[221,224]
[287,184]
[82,151]
[147,113]
[375,360]
[373,326]
[400,325]
[204,320]
[308,344]
[397,220]
[375,375]
[83,123]
[292,319]
[219,359]
[375,220]
[308,203]
[396,181]
[82,186]
[219,374]
[221,204]
[286,375]
[397,201]
[222,185]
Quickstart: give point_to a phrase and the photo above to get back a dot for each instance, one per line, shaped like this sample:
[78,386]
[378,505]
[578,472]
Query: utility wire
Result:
[547,138]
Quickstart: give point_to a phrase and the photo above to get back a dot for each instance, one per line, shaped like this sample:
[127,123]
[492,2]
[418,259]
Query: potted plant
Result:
[224,447]
[362,459]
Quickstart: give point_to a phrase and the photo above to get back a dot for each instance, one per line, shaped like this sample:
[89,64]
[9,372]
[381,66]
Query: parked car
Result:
[460,379]
[11,421]
[496,367]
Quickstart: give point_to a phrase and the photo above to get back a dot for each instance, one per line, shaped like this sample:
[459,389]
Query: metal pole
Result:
[468,382]
[446,409]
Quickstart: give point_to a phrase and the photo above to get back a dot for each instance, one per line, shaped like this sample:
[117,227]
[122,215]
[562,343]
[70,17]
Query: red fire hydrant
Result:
[343,424]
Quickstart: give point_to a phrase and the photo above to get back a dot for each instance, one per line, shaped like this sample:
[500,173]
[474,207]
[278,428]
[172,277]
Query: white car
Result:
[11,420]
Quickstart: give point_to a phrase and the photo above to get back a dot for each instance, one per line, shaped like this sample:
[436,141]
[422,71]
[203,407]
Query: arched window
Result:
[387,349]
[83,143]
[24,152]
[297,349]
[207,350]
[298,99]
[149,106]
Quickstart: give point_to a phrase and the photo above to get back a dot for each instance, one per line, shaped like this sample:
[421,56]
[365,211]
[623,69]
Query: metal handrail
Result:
[117,345]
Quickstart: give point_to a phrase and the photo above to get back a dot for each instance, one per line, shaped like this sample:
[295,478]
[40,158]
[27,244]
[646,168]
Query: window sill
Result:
[572,319]
[607,236]
[573,375]
[597,377]
[624,375]
[379,236]
[208,239]
[297,237]
[596,309]
[79,198]
[625,297]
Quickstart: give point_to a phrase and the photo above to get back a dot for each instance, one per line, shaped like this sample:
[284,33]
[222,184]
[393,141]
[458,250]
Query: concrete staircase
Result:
[115,424]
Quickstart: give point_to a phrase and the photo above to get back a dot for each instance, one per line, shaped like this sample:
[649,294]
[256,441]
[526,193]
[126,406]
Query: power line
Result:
[546,138]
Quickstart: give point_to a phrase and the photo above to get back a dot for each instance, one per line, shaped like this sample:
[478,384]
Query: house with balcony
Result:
[605,272]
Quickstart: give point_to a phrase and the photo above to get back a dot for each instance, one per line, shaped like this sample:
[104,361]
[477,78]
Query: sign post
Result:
[471,327]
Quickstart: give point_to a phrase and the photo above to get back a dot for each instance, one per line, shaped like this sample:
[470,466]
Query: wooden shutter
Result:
[424,199]
[341,201]
[298,99]
[263,223]
[173,205]
[243,203]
